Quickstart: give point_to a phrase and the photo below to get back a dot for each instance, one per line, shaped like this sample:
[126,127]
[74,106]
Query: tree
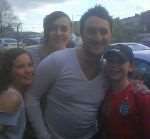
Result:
[117,30]
[124,32]
[7,18]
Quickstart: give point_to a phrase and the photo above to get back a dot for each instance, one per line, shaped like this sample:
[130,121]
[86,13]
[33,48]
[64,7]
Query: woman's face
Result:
[59,33]
[22,70]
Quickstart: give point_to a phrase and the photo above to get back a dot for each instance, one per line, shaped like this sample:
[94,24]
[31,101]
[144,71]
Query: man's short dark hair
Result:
[98,11]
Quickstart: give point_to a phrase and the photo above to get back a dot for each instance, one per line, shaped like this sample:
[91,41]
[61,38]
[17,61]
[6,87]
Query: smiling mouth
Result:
[96,44]
[114,71]
[28,78]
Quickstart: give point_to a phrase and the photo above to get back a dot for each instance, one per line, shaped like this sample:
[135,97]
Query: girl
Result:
[16,73]
[57,33]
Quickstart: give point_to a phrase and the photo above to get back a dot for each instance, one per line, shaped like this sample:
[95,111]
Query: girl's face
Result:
[22,70]
[59,33]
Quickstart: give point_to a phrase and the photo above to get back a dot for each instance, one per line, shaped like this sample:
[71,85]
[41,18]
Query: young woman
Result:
[16,73]
[125,111]
[57,33]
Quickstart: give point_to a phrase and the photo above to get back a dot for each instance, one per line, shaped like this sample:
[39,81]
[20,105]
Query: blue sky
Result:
[32,12]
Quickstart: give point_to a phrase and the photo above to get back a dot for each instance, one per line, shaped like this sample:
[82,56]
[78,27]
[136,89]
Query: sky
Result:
[32,12]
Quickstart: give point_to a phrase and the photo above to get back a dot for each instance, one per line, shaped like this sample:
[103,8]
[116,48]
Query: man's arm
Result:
[44,77]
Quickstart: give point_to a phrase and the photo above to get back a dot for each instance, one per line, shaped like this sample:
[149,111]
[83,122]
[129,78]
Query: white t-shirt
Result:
[72,100]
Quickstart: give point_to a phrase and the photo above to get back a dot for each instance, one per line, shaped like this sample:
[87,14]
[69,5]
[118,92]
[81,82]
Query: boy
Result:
[125,111]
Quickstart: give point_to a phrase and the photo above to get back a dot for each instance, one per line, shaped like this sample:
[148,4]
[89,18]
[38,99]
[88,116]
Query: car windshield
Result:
[138,47]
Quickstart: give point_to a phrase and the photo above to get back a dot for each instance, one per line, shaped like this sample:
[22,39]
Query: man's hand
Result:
[139,86]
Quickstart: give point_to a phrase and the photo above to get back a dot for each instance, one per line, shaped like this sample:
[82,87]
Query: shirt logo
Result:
[124,108]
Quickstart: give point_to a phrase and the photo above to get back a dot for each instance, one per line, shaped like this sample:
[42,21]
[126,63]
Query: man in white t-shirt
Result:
[73,83]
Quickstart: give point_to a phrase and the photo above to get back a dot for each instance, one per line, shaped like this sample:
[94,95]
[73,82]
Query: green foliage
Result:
[125,33]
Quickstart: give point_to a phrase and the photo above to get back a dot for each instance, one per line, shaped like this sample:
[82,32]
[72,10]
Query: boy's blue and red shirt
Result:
[126,114]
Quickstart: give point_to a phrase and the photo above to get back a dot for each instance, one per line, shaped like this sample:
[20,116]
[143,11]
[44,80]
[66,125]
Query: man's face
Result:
[96,35]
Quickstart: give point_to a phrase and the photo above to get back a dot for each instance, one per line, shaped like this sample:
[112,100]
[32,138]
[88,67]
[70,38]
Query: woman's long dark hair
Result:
[7,59]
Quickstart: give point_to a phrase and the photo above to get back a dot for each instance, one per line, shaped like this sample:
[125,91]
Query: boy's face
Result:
[117,70]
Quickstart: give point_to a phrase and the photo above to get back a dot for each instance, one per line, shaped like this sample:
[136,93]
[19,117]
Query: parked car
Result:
[142,59]
[8,43]
[31,41]
[134,46]
[146,41]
